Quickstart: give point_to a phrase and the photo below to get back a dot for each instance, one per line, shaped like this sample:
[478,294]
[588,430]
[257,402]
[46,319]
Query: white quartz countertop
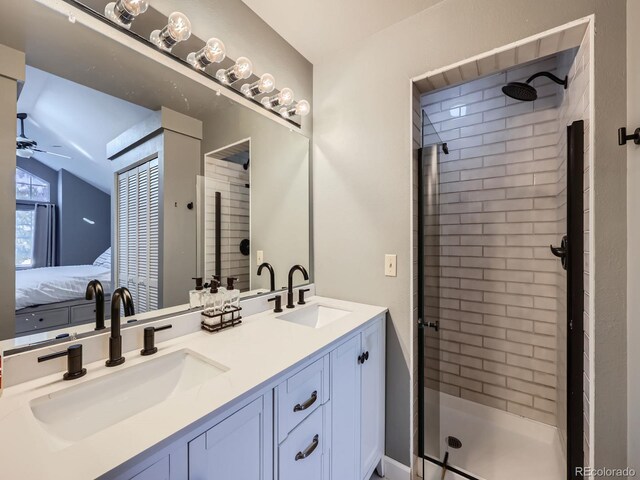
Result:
[255,353]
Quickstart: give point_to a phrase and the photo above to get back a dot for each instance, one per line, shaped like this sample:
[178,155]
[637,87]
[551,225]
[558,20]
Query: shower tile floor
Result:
[497,445]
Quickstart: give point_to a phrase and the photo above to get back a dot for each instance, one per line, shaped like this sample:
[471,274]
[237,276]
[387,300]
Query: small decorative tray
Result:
[232,312]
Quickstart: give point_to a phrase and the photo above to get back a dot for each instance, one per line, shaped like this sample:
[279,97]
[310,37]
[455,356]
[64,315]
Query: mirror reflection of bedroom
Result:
[65,202]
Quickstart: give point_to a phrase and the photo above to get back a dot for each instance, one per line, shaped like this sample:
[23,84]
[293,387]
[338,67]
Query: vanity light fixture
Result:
[242,69]
[124,12]
[266,84]
[302,108]
[213,52]
[283,98]
[178,29]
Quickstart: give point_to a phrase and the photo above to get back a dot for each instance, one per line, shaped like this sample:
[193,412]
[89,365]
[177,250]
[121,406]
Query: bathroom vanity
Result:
[291,395]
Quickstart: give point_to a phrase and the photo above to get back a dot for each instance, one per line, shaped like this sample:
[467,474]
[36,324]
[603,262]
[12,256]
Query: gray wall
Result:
[362,180]
[633,237]
[80,243]
[11,69]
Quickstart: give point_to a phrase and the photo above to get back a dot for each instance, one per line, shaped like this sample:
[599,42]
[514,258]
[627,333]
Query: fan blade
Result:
[51,153]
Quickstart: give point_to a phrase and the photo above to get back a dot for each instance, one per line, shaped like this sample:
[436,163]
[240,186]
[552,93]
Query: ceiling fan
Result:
[25,147]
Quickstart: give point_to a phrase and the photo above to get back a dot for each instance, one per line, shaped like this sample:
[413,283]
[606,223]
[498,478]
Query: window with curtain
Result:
[31,191]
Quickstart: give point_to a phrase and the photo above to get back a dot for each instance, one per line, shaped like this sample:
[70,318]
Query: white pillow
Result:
[104,260]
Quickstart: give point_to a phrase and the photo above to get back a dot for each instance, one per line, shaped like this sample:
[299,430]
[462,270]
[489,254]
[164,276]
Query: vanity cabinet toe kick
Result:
[323,421]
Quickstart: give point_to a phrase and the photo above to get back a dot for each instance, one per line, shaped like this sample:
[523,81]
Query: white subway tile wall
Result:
[230,179]
[501,205]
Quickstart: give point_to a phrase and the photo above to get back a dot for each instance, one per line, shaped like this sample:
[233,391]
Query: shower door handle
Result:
[562,251]
[435,325]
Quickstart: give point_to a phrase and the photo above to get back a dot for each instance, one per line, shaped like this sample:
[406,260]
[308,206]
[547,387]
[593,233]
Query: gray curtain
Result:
[44,235]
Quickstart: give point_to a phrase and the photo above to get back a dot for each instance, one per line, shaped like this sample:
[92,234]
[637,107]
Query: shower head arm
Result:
[559,81]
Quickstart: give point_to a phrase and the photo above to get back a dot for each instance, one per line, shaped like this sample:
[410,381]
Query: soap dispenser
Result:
[214,302]
[196,295]
[233,295]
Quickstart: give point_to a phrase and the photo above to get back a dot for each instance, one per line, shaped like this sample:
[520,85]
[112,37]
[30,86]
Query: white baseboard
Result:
[394,470]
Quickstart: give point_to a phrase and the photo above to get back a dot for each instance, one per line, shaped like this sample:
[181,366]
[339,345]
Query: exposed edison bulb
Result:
[213,52]
[265,84]
[178,29]
[302,108]
[242,69]
[124,12]
[282,98]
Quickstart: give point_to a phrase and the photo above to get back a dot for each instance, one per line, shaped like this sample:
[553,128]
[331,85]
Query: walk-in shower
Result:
[500,319]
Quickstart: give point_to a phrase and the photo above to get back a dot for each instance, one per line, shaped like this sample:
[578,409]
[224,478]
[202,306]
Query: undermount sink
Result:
[77,412]
[315,316]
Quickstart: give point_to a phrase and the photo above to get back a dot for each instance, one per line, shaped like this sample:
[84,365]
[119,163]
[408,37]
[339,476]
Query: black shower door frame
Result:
[575,305]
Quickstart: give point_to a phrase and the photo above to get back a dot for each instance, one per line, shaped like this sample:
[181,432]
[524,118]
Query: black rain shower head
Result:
[527,93]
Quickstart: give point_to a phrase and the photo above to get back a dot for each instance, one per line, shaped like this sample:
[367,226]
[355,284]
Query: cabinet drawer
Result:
[300,395]
[300,455]
[55,317]
[87,313]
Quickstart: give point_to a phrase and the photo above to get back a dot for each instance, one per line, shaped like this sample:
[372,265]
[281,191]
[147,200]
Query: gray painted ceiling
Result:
[77,119]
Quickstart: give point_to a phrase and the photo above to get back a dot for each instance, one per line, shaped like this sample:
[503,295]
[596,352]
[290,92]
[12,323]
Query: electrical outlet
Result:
[390,269]
[259,257]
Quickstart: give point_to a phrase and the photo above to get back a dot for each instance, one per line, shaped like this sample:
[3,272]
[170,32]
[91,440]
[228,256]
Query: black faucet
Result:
[272,275]
[95,290]
[290,303]
[115,339]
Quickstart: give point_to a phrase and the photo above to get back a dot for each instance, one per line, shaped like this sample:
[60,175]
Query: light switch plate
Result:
[390,268]
[259,257]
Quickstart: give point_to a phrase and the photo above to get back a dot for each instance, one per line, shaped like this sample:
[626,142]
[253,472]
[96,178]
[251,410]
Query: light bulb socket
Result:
[251,90]
[223,76]
[287,112]
[271,102]
[165,40]
[200,58]
[121,14]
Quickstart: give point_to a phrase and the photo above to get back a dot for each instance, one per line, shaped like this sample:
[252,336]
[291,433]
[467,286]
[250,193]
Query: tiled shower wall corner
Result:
[230,179]
[498,215]
[574,106]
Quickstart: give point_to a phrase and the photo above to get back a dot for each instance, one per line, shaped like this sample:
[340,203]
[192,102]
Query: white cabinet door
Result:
[345,418]
[372,400]
[238,448]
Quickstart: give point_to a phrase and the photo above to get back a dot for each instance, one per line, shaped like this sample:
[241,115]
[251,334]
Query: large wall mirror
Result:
[141,177]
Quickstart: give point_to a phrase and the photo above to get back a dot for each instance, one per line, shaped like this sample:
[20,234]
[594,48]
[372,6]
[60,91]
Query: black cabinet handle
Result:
[300,407]
[309,450]
[363,358]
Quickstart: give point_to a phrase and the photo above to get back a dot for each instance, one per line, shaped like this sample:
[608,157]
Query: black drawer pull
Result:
[309,450]
[300,407]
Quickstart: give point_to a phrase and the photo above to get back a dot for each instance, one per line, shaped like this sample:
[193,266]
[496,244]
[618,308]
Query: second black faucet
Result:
[115,339]
[300,268]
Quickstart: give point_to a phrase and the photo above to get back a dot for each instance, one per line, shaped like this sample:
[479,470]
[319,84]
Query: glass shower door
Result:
[430,442]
